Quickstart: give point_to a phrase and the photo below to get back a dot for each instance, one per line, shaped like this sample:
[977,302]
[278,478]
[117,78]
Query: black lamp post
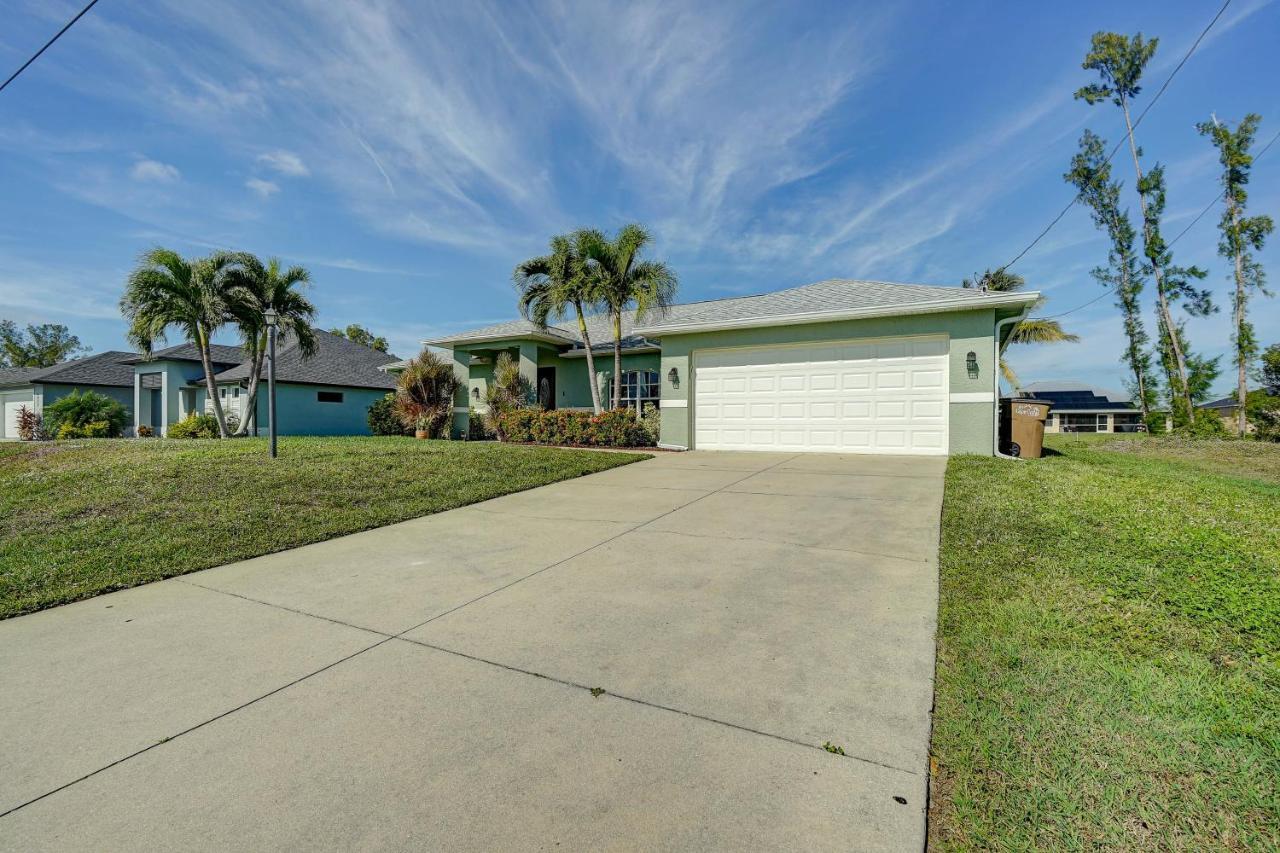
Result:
[271,318]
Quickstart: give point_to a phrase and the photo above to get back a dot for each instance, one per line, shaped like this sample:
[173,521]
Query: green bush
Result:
[82,412]
[1207,425]
[195,426]
[382,417]
[618,428]
[652,422]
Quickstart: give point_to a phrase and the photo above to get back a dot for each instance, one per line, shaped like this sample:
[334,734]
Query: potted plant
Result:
[424,395]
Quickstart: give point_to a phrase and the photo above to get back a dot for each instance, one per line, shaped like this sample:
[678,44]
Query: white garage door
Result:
[882,396]
[11,403]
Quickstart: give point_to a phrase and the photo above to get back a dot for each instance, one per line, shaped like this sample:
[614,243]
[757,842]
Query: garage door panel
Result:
[874,397]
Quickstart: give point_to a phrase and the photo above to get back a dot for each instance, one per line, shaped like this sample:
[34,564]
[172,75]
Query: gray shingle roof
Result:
[336,361]
[220,353]
[835,297]
[1220,403]
[105,368]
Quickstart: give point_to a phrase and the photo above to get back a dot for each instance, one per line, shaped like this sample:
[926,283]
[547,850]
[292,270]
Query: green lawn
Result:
[1109,649]
[79,518]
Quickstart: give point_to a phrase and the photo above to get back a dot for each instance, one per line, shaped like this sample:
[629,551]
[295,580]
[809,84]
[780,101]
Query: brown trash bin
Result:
[1022,426]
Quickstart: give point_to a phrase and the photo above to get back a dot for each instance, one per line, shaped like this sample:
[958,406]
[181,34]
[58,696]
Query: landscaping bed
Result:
[1109,649]
[80,518]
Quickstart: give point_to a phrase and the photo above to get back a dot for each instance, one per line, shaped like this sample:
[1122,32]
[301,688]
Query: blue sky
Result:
[410,154]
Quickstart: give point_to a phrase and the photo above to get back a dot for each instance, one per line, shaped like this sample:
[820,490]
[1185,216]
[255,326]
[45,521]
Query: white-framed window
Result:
[640,388]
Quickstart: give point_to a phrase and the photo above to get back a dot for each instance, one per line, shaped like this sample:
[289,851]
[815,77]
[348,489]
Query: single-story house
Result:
[326,394]
[109,373]
[837,366]
[1226,408]
[1079,407]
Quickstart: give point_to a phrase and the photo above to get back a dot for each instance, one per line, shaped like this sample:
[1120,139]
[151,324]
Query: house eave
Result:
[1024,300]
[493,339]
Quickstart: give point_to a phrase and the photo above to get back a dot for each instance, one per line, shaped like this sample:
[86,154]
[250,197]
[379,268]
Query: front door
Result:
[157,410]
[547,388]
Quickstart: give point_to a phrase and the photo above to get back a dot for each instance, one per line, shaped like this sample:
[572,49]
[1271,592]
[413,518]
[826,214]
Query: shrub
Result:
[652,422]
[510,391]
[31,426]
[617,428]
[80,409]
[195,426]
[1207,425]
[424,394]
[145,431]
[382,417]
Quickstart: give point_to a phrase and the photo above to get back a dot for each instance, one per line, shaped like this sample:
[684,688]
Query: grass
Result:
[1109,649]
[81,518]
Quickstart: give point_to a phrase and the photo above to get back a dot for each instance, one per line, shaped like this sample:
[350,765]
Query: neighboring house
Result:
[1227,408]
[1080,407]
[109,373]
[837,366]
[326,394]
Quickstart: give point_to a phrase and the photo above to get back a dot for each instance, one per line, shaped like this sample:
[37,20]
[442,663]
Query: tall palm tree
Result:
[623,280]
[1031,330]
[252,288]
[553,285]
[167,290]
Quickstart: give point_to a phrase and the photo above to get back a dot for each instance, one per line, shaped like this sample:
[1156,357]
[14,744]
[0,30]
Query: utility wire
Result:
[1199,216]
[1119,144]
[47,45]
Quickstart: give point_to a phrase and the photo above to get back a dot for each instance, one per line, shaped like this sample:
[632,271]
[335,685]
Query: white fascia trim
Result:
[597,352]
[674,404]
[973,397]
[448,343]
[936,307]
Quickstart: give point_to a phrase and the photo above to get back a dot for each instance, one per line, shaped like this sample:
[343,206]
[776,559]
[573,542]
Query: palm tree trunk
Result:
[617,359]
[591,360]
[251,404]
[1242,379]
[1162,301]
[206,360]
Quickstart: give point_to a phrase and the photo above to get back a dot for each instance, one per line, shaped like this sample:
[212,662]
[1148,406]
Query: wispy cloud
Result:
[264,189]
[154,170]
[284,162]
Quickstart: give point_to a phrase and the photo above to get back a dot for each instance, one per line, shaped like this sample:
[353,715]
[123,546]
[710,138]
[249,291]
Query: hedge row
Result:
[617,428]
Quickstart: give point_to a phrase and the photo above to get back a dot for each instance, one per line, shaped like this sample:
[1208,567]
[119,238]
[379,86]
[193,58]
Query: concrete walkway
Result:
[429,685]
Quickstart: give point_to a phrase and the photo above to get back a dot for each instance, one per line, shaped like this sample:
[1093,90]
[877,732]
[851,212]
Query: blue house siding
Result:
[299,410]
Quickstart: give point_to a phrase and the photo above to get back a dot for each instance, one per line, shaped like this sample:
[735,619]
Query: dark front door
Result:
[547,387]
[157,410]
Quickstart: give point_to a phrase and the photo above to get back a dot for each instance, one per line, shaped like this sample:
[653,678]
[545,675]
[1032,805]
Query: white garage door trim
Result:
[885,395]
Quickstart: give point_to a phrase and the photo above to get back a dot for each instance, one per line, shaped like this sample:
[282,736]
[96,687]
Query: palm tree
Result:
[253,287]
[424,394]
[1029,331]
[165,290]
[552,285]
[624,280]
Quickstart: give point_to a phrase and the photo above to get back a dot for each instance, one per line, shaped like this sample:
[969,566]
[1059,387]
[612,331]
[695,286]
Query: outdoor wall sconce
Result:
[673,376]
[971,364]
[475,392]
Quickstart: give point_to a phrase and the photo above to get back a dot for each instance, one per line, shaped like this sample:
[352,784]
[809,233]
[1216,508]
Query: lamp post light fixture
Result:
[971,364]
[673,376]
[271,318]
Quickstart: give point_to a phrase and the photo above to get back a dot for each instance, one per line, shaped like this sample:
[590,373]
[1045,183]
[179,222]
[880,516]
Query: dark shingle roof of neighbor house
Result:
[336,361]
[220,353]
[825,300]
[1220,403]
[105,368]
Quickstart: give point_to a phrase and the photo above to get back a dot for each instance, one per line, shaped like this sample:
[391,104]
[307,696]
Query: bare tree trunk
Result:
[1161,301]
[210,388]
[591,360]
[617,359]
[1242,379]
[251,404]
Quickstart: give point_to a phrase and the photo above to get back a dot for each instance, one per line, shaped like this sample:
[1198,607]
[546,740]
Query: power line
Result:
[1119,144]
[1199,216]
[47,45]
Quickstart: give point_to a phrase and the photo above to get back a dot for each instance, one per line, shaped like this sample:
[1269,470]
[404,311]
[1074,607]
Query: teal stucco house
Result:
[326,394]
[33,388]
[841,366]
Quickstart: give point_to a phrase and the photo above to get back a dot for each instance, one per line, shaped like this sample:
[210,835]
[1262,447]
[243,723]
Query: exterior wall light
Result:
[673,376]
[475,392]
[971,364]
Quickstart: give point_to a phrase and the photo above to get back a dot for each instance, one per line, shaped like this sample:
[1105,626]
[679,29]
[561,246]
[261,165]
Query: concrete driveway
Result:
[429,685]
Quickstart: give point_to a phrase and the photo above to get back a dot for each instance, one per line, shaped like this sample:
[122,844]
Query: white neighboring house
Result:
[1079,407]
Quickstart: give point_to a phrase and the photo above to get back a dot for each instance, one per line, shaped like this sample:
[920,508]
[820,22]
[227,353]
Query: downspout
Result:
[995,370]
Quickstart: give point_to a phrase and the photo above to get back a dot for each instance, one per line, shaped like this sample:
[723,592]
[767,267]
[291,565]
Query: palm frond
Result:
[1039,331]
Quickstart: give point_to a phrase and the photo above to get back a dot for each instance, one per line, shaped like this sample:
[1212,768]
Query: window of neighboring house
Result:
[235,392]
[222,392]
[640,388]
[329,396]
